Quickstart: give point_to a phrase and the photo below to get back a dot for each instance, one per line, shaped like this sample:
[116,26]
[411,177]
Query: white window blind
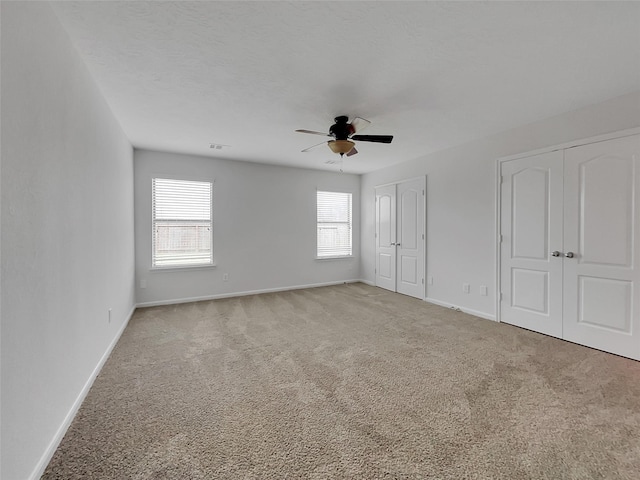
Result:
[334,224]
[182,223]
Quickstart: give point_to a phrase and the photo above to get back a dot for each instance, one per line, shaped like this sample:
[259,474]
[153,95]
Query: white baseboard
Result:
[367,282]
[57,438]
[176,301]
[470,311]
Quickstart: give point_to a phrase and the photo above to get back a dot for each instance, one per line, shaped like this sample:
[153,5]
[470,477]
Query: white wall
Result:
[461,196]
[264,228]
[67,246]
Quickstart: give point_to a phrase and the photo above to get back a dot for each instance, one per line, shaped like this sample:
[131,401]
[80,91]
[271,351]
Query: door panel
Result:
[410,238]
[386,237]
[409,270]
[531,278]
[605,303]
[601,205]
[530,290]
[385,269]
[408,224]
[605,188]
[530,214]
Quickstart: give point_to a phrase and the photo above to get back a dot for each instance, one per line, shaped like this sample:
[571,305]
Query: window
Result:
[182,223]
[334,224]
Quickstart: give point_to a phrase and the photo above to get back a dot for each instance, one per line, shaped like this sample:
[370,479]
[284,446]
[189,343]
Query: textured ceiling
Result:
[182,75]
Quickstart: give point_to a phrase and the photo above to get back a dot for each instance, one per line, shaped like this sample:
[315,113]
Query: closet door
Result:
[410,238]
[386,237]
[601,245]
[531,243]
[400,219]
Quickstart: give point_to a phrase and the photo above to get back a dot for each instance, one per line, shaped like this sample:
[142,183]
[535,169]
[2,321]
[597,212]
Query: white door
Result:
[531,229]
[400,237]
[602,238]
[410,238]
[386,237]
[582,205]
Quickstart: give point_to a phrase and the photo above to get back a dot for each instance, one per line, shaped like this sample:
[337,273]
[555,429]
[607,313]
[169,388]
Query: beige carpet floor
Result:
[350,382]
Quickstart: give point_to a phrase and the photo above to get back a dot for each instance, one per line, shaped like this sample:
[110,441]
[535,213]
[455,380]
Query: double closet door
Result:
[570,244]
[400,220]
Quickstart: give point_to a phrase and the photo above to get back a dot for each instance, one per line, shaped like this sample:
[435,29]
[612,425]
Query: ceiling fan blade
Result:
[314,146]
[353,151]
[373,138]
[313,133]
[359,124]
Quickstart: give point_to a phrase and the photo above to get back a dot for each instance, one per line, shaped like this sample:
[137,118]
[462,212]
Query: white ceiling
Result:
[182,75]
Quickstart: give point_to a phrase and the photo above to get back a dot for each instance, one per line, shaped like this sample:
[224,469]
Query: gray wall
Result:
[264,228]
[67,246]
[461,199]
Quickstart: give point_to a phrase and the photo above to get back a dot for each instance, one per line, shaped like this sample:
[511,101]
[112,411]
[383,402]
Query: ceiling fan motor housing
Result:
[341,130]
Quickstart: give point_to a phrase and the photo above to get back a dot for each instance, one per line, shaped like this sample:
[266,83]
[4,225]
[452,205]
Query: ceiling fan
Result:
[344,134]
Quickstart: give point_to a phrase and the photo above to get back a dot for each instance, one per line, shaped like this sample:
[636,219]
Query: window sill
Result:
[335,258]
[173,268]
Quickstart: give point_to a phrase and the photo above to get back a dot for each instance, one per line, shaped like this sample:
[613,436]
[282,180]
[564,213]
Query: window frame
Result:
[351,224]
[181,266]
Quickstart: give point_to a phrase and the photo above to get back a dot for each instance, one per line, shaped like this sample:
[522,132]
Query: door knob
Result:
[397,244]
[555,253]
[393,243]
[569,255]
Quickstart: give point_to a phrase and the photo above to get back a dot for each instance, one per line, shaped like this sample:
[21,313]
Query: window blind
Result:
[334,224]
[182,223]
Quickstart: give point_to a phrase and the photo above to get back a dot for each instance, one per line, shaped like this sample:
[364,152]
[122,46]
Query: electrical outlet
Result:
[484,291]
[143,283]
[225,277]
[430,280]
[109,315]
[466,288]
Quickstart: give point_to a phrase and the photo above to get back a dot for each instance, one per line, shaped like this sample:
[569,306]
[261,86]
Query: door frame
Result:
[424,226]
[498,189]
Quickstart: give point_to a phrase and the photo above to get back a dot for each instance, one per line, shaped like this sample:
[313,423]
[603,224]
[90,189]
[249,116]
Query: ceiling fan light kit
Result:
[344,134]
[341,146]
